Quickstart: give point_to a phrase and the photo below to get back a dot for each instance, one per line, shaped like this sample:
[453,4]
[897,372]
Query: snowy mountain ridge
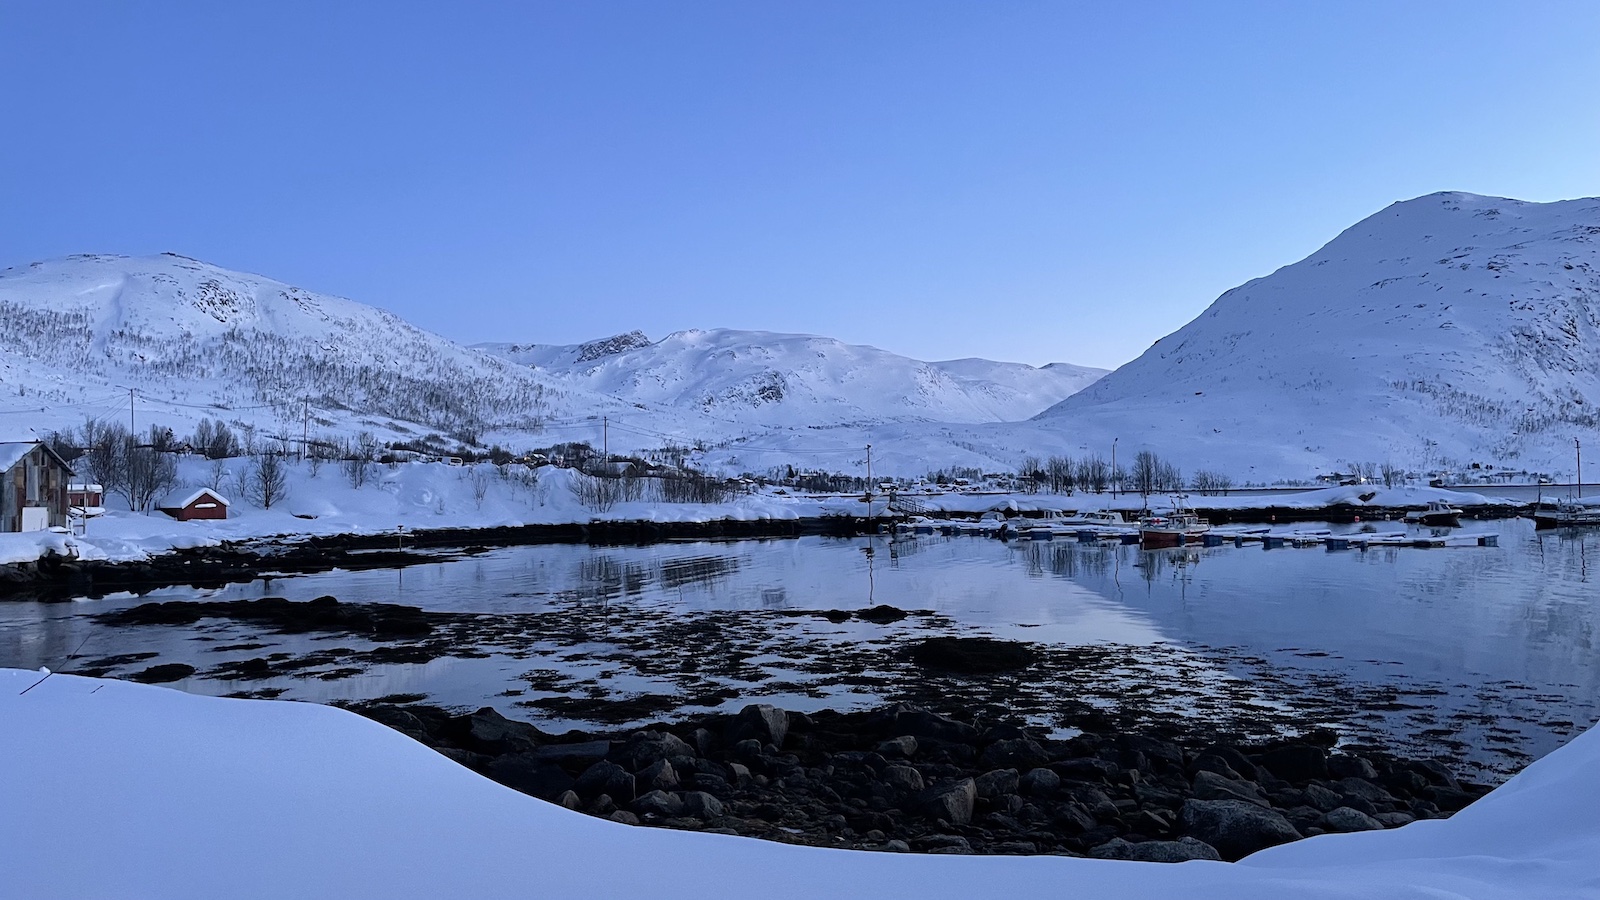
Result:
[1442,330]
[765,378]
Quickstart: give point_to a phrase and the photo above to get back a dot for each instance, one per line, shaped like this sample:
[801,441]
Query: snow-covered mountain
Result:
[195,340]
[1452,328]
[762,378]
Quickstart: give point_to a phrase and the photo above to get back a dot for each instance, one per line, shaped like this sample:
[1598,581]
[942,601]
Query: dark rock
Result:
[1211,762]
[606,777]
[585,752]
[1039,782]
[953,801]
[623,816]
[881,615]
[663,804]
[1435,772]
[1236,828]
[902,778]
[1365,790]
[400,720]
[1086,769]
[658,776]
[1235,760]
[997,783]
[1073,818]
[902,747]
[1320,797]
[1344,765]
[164,673]
[972,656]
[1296,763]
[1181,850]
[1395,819]
[760,722]
[1346,819]
[527,773]
[478,762]
[1211,786]
[1013,848]
[487,731]
[1015,753]
[569,799]
[1448,799]
[646,747]
[920,723]
[701,805]
[943,843]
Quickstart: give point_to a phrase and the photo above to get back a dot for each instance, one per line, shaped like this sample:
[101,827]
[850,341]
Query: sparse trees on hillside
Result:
[1212,483]
[1151,474]
[266,479]
[358,458]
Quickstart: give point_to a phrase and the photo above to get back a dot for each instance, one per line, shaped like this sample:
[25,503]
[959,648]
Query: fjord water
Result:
[1506,634]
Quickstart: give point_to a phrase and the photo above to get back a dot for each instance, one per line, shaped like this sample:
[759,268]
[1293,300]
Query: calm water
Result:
[1507,633]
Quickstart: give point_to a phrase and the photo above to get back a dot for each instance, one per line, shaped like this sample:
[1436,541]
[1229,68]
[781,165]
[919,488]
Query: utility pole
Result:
[869,470]
[305,428]
[131,429]
[605,440]
[1579,447]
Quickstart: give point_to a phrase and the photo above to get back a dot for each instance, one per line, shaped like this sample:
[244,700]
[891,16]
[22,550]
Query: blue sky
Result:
[1030,181]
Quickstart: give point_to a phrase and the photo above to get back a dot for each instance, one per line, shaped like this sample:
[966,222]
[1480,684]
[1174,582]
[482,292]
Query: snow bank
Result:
[115,789]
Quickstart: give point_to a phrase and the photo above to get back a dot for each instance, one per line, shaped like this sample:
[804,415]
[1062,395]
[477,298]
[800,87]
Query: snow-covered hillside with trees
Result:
[759,377]
[1444,330]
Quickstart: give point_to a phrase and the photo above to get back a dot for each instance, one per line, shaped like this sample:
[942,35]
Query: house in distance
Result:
[201,503]
[33,486]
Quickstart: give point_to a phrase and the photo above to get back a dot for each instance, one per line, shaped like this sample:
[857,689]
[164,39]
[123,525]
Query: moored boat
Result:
[1565,514]
[1438,513]
[1172,529]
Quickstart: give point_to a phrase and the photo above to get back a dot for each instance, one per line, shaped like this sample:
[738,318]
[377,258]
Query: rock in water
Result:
[972,656]
[1235,827]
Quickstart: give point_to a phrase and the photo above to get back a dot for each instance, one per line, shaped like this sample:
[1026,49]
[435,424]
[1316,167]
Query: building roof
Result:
[176,500]
[12,451]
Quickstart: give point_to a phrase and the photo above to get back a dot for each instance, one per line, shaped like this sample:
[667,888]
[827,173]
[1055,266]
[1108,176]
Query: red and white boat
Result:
[1171,529]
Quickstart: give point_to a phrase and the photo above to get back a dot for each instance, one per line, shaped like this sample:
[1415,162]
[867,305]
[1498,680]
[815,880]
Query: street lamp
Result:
[1114,467]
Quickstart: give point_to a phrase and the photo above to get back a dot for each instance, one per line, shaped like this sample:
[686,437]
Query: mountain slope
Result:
[190,337]
[762,378]
[1443,330]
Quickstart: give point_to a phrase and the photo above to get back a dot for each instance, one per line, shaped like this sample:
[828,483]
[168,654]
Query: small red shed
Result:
[204,503]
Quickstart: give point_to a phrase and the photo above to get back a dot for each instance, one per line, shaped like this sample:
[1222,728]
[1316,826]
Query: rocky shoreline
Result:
[903,778]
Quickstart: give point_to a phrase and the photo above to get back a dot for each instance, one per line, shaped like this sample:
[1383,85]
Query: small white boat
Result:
[1565,514]
[1438,513]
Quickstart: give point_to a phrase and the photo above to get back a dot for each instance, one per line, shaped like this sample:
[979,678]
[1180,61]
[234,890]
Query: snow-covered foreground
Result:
[115,789]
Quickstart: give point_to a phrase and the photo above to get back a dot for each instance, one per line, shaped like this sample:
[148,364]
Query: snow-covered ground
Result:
[115,789]
[414,496]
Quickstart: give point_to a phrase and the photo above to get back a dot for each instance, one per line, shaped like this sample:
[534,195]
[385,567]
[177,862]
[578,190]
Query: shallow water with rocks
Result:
[1481,656]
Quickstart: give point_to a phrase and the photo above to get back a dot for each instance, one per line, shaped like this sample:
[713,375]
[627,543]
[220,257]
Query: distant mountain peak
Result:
[618,343]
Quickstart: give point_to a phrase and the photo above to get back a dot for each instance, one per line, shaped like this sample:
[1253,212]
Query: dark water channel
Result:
[1481,653]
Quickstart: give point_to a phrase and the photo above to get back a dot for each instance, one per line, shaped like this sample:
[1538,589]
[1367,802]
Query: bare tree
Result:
[217,474]
[146,475]
[1209,482]
[358,458]
[478,478]
[1393,475]
[266,480]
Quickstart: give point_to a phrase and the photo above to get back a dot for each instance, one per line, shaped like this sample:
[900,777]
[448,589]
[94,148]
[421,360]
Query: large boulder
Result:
[701,805]
[760,722]
[582,753]
[646,747]
[658,776]
[665,804]
[952,801]
[1346,819]
[1235,827]
[606,777]
[997,783]
[902,778]
[1039,782]
[489,732]
[1211,786]
[1180,850]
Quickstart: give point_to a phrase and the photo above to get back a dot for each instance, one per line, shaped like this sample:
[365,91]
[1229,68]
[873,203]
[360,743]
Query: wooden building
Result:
[33,486]
[202,503]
